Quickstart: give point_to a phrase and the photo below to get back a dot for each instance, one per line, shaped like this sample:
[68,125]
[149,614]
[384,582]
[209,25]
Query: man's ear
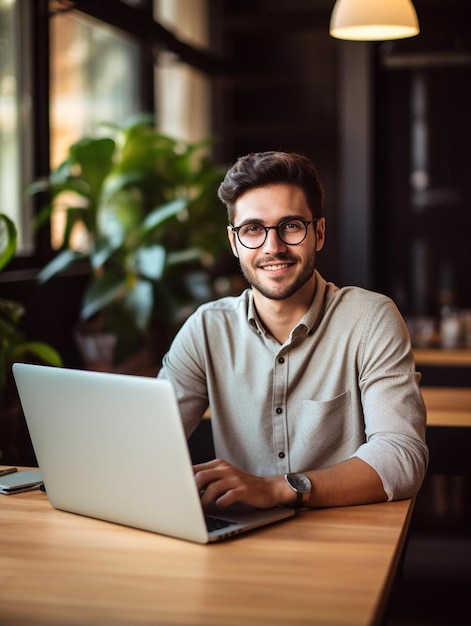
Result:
[320,233]
[233,241]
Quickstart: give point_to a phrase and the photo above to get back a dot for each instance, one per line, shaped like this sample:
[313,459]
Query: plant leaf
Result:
[59,264]
[95,158]
[139,302]
[185,256]
[39,349]
[104,249]
[117,181]
[11,310]
[149,262]
[162,213]
[8,239]
[103,291]
[120,214]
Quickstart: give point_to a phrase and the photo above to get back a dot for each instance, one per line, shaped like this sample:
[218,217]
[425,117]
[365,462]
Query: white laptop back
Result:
[113,447]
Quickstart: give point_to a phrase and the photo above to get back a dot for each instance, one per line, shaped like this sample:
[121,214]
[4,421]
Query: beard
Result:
[284,289]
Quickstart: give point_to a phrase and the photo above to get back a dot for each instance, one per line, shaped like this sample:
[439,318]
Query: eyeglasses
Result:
[253,235]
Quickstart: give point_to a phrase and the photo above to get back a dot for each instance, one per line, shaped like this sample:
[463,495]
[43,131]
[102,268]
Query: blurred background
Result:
[387,125]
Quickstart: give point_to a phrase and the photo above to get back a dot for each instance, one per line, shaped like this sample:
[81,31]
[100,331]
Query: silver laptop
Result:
[112,446]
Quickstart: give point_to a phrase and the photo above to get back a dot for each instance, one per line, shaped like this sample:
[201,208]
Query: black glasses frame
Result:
[278,227]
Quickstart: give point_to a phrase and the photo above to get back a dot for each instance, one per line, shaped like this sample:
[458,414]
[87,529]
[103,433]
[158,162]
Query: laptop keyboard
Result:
[216,523]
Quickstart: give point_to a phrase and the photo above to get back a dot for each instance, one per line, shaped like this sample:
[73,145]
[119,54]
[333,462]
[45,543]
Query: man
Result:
[313,392]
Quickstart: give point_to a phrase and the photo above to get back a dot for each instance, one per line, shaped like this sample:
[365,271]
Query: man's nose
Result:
[273,243]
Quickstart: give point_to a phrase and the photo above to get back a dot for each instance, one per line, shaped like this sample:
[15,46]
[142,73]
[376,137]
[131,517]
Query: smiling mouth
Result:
[274,268]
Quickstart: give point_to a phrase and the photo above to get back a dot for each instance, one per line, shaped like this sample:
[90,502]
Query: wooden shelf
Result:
[447,406]
[439,356]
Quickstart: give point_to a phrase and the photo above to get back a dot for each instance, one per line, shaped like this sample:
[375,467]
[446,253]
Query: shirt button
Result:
[281,360]
[278,410]
[281,455]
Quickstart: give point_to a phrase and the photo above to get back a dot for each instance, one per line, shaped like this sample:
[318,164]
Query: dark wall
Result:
[423,147]
[51,310]
[282,93]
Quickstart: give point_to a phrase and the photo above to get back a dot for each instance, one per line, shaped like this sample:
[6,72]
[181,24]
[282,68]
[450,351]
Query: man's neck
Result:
[279,317]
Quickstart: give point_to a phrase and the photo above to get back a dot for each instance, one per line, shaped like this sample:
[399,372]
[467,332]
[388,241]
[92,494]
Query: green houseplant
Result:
[147,209]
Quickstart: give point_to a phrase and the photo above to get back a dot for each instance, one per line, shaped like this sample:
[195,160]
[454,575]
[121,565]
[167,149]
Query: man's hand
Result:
[350,482]
[221,483]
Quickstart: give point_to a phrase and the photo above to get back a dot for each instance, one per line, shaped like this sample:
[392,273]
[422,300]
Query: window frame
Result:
[137,21]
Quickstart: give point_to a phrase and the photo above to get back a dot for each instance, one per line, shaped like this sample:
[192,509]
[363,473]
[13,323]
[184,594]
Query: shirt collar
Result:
[310,319]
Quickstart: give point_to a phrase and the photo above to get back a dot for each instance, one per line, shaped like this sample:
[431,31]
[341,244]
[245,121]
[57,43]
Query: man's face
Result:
[277,270]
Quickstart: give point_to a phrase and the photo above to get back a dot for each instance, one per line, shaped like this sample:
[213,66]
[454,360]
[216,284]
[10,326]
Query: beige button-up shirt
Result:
[343,385]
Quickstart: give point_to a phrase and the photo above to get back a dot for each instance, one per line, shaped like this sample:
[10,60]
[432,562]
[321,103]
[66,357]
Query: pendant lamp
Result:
[373,20]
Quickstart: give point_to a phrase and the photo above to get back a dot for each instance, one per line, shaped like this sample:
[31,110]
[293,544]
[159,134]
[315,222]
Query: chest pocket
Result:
[327,425]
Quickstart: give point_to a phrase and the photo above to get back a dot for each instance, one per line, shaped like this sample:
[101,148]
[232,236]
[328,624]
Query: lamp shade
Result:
[373,20]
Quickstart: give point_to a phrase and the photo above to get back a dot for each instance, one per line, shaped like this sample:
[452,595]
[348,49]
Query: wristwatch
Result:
[301,484]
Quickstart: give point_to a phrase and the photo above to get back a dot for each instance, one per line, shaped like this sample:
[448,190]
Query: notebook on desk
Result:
[112,447]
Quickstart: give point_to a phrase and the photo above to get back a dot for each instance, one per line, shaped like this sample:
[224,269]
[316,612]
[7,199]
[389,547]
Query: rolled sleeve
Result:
[394,411]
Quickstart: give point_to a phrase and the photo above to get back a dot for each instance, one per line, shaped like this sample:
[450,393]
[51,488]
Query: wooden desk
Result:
[324,567]
[447,406]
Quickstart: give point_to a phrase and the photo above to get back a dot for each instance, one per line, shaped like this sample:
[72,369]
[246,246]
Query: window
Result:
[15,121]
[66,67]
[182,92]
[94,79]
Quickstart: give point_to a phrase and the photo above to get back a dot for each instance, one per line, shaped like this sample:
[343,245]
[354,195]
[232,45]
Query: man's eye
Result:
[252,229]
[291,226]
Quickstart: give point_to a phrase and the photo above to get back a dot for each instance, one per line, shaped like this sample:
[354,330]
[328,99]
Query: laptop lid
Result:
[113,447]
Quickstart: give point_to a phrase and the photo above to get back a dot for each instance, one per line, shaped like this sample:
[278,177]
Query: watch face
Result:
[300,482]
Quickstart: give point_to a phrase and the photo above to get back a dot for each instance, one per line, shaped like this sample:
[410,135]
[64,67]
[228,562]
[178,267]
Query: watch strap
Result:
[299,500]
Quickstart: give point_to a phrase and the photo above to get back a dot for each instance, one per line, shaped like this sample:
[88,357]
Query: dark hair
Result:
[259,169]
